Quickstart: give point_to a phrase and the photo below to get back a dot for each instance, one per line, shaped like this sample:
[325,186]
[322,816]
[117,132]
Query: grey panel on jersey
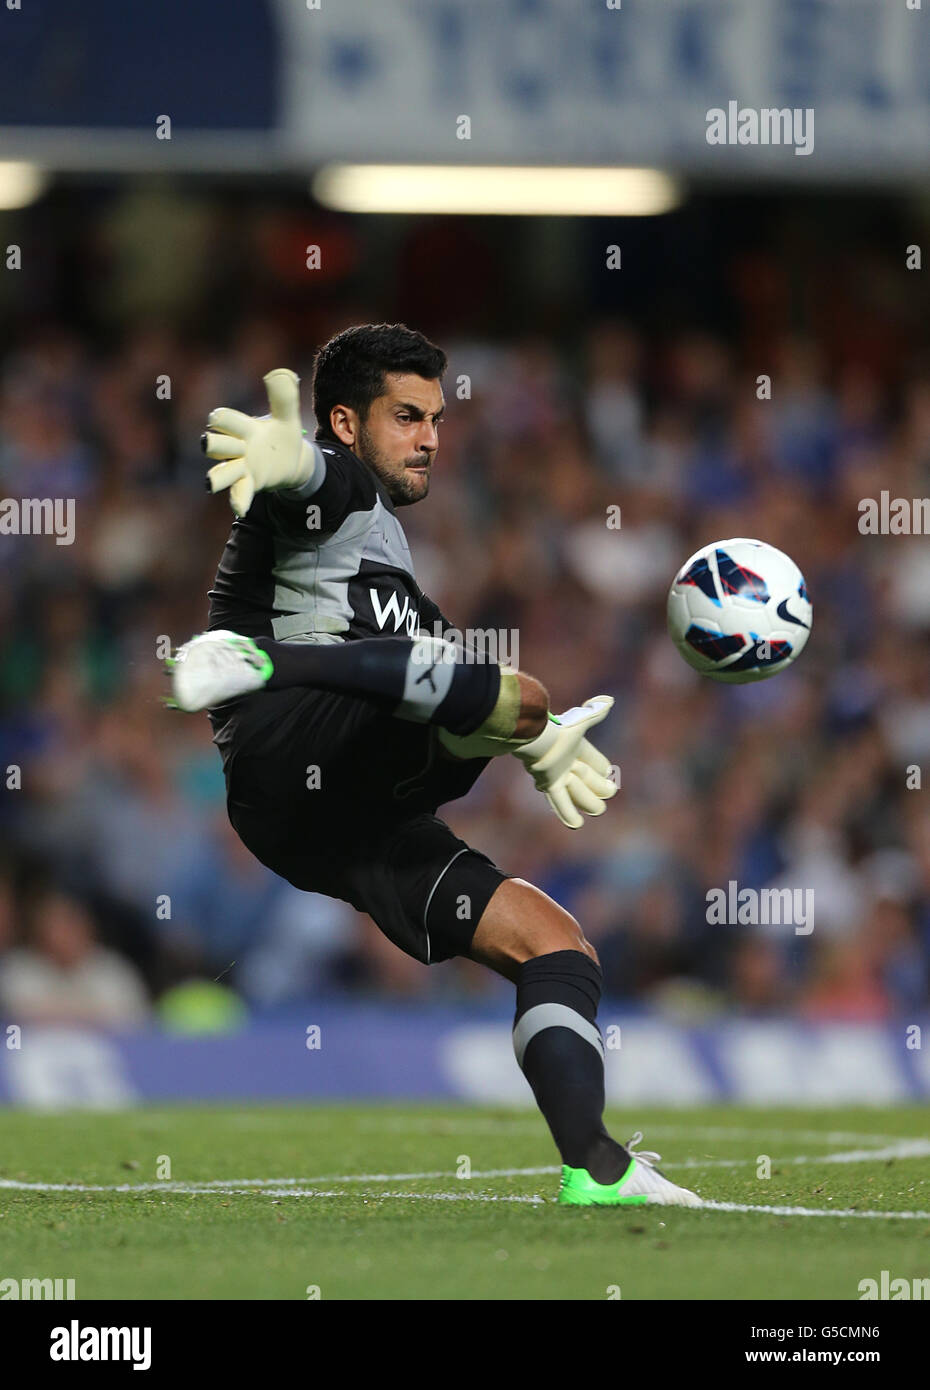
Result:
[312,583]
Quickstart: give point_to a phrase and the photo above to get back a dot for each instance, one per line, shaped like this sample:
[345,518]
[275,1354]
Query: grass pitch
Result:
[371,1202]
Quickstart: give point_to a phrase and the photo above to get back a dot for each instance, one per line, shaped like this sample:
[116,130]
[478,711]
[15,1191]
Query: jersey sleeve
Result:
[339,484]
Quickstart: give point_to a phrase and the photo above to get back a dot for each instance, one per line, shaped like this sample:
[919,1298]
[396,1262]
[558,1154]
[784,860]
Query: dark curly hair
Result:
[349,369]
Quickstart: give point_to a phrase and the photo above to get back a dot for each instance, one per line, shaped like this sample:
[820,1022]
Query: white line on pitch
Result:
[263,1185]
[536,1201]
[820,1211]
[407,1196]
[248,1187]
[907,1148]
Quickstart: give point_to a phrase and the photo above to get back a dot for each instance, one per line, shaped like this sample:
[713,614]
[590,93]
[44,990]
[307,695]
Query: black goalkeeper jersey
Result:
[325,562]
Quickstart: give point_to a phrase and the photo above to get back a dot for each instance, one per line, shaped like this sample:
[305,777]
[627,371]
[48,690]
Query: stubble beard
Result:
[403,488]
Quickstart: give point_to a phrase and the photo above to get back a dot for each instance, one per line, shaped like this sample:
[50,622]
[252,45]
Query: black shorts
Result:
[339,798]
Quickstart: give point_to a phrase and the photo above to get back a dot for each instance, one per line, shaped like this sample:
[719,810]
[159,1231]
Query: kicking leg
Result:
[418,679]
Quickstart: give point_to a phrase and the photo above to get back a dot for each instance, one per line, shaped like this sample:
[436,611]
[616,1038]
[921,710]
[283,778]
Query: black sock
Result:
[398,673]
[560,1051]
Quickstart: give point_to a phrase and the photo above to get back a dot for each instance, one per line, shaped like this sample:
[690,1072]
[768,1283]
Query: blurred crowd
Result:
[120,877]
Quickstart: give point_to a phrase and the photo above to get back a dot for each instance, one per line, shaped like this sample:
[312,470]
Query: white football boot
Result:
[215,667]
[642,1184]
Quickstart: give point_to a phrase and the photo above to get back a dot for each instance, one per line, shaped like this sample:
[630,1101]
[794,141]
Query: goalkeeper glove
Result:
[567,769]
[258,454]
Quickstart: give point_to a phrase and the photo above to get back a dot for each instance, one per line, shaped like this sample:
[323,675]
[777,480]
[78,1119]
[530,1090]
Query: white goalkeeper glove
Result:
[259,454]
[567,769]
[570,772]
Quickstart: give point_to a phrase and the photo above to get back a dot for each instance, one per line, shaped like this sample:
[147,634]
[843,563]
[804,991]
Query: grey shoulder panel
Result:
[311,593]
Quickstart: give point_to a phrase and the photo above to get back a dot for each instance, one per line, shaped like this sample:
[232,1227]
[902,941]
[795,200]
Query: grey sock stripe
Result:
[428,679]
[553,1016]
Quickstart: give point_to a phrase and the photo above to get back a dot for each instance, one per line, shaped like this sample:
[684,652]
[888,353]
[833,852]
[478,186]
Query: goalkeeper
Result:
[343,725]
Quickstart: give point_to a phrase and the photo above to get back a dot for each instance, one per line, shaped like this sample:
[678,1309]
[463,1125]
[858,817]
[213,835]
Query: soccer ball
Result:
[738,611]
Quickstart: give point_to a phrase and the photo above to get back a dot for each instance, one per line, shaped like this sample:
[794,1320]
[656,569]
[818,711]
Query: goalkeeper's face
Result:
[399,439]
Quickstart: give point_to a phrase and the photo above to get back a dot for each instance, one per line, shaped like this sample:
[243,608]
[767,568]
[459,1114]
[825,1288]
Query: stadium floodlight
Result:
[20,184]
[486,189]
